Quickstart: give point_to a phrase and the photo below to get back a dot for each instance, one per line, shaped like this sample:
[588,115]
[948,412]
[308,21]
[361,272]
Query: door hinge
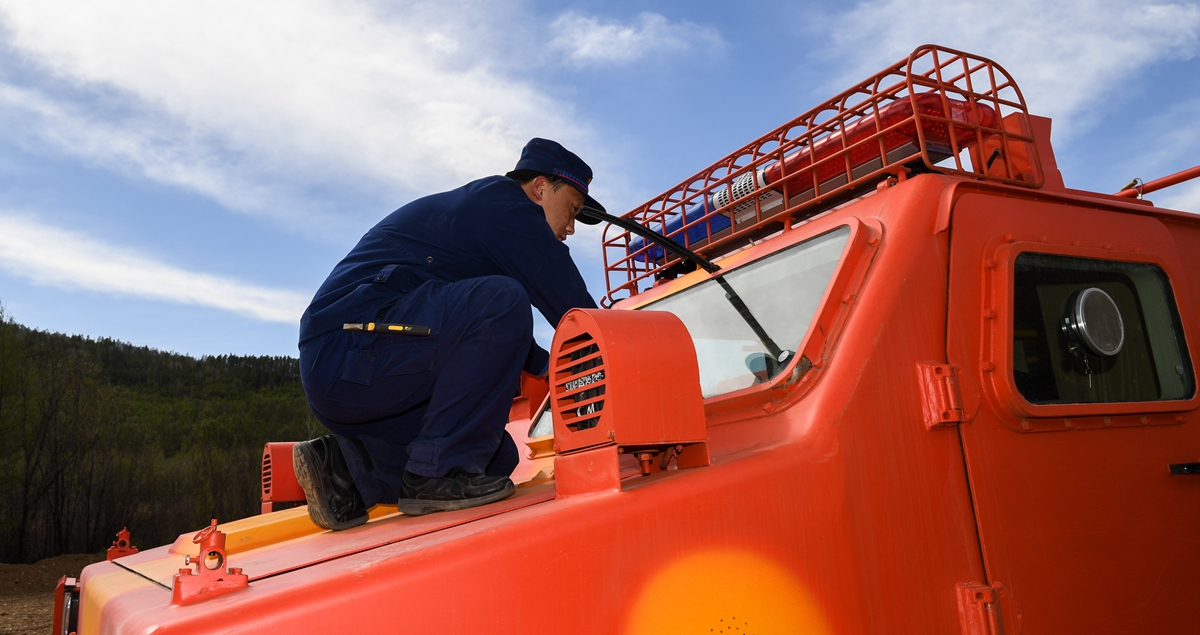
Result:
[987,610]
[940,396]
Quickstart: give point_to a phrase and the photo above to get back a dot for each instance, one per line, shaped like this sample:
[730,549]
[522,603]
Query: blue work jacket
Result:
[486,227]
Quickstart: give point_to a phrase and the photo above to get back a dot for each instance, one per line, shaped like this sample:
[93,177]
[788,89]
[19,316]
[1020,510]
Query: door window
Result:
[1096,331]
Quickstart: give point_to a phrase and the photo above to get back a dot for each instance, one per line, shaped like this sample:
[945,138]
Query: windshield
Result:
[781,292]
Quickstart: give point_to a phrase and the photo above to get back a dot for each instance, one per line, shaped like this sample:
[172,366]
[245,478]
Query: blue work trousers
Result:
[426,404]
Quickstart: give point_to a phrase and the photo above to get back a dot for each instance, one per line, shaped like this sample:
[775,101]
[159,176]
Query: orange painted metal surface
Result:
[623,382]
[625,378]
[65,611]
[1077,491]
[890,477]
[280,489]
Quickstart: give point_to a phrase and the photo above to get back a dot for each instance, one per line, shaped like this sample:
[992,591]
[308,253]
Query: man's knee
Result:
[500,304]
[501,292]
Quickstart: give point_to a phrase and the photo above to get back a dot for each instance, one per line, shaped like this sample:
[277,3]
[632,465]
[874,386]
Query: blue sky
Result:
[184,175]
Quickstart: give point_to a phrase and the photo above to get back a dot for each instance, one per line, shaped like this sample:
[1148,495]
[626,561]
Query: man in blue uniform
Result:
[419,421]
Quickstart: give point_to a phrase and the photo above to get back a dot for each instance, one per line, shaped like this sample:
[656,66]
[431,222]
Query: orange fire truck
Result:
[878,371]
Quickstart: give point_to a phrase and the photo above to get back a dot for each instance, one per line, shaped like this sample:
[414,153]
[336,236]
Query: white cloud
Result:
[1065,55]
[259,104]
[1167,140]
[148,144]
[51,256]
[591,41]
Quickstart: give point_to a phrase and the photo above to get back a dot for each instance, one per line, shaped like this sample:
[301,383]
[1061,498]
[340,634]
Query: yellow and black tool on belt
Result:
[389,329]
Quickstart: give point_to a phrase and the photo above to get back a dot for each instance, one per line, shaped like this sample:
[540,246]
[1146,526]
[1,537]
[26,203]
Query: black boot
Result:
[333,500]
[455,490]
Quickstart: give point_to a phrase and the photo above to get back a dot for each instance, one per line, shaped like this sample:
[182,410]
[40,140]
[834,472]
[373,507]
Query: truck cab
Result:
[920,386]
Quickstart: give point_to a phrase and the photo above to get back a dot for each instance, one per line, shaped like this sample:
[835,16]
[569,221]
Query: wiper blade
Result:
[744,311]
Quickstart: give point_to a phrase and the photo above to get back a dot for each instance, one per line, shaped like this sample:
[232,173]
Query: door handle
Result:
[1185,468]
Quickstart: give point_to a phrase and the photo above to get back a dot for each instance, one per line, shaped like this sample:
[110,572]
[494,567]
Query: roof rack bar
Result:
[937,110]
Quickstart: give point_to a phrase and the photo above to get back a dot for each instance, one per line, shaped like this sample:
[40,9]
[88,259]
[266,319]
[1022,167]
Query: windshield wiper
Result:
[777,354]
[650,234]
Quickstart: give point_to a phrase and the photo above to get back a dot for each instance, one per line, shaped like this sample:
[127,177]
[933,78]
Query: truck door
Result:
[1069,324]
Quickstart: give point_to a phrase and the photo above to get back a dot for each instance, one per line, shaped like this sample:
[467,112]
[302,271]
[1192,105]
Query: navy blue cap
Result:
[549,157]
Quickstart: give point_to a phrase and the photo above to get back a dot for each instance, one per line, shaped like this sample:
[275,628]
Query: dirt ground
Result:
[27,592]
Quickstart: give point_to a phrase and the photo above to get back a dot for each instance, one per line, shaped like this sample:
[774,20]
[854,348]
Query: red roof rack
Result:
[938,110]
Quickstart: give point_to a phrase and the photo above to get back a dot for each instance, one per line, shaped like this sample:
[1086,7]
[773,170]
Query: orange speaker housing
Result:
[625,378]
[280,489]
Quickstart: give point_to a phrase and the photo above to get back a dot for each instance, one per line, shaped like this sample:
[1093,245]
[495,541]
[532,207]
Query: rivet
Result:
[988,367]
[1008,238]
[1108,246]
[1145,419]
[989,264]
[873,240]
[1075,243]
[1179,418]
[989,314]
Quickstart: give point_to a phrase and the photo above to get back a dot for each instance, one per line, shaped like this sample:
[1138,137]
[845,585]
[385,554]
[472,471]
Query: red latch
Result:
[987,610]
[210,579]
[940,395]
[121,547]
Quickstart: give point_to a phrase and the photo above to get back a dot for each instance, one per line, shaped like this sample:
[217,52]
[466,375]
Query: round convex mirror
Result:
[1094,321]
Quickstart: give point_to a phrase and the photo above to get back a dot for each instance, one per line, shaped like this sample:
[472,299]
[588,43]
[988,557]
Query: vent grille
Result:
[266,475]
[580,383]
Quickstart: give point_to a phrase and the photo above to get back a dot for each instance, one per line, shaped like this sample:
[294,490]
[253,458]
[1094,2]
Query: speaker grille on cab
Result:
[266,475]
[580,383]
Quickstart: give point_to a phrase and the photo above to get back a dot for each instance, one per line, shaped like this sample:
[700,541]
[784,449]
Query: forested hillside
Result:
[96,435]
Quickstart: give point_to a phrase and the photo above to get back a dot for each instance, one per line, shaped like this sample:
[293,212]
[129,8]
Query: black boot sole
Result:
[421,506]
[316,483]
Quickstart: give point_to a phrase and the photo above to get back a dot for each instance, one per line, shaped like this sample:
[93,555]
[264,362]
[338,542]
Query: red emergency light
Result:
[896,129]
[892,136]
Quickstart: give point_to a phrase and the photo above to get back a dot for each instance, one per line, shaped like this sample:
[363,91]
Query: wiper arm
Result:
[651,235]
[776,353]
[744,311]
